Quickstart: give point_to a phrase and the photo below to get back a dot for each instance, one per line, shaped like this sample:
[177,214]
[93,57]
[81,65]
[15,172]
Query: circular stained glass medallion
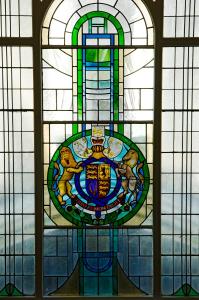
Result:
[99,178]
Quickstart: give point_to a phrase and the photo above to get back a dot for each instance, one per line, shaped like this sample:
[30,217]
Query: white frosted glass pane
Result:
[180,57]
[138,133]
[168,57]
[167,146]
[196,27]
[178,121]
[64,100]
[17,143]
[169,26]
[108,9]
[141,79]
[109,2]
[26,78]
[169,8]
[88,8]
[167,163]
[18,224]
[28,141]
[68,38]
[28,244]
[139,29]
[137,60]
[195,183]
[92,115]
[195,78]
[195,123]
[16,56]
[167,183]
[28,183]
[61,116]
[195,139]
[18,183]
[56,41]
[181,7]
[66,10]
[27,99]
[2,183]
[138,116]
[57,29]
[127,37]
[167,121]
[86,2]
[92,104]
[58,60]
[28,162]
[2,26]
[49,100]
[178,141]
[27,121]
[103,115]
[179,77]
[55,79]
[25,26]
[131,99]
[28,224]
[147,99]
[18,204]
[195,163]
[178,162]
[17,121]
[129,10]
[168,79]
[196,57]
[16,99]
[26,57]
[16,78]
[28,206]
[14,7]
[180,26]
[167,224]
[57,133]
[25,7]
[14,26]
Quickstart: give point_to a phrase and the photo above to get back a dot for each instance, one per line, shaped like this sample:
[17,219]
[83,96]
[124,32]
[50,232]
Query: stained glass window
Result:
[99,149]
[98,126]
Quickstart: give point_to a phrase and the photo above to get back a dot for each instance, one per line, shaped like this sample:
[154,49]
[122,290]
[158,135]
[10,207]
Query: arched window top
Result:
[63,15]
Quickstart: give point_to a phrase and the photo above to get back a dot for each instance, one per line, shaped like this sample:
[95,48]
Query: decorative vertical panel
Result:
[98,126]
[17,222]
[180,175]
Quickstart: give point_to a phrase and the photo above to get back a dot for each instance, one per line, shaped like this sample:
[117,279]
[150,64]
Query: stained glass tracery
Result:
[98,75]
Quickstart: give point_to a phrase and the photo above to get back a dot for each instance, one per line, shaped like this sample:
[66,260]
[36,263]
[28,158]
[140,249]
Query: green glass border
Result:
[95,14]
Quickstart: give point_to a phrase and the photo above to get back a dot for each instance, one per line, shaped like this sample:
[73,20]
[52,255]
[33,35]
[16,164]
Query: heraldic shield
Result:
[98,177]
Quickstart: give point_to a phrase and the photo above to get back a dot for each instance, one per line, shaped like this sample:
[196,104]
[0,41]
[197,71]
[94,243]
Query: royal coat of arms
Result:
[98,179]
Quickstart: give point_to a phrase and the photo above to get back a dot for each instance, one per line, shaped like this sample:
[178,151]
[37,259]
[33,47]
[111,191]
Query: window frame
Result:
[40,7]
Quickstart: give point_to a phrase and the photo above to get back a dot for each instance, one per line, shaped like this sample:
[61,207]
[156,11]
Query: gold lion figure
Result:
[70,168]
[130,174]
